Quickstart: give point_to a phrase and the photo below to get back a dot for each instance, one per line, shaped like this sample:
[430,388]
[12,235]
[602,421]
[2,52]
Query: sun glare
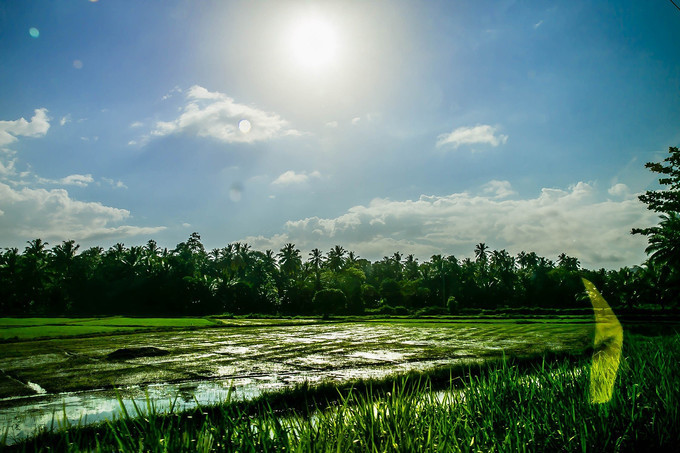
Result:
[313,43]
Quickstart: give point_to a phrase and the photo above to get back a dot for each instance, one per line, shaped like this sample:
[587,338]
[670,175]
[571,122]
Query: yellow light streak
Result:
[607,344]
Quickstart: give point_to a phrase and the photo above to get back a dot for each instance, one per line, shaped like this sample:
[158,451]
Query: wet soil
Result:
[347,349]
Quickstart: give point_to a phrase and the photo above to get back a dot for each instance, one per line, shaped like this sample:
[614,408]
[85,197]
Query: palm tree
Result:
[664,251]
[63,255]
[269,262]
[481,251]
[411,267]
[290,260]
[336,258]
[568,263]
[352,258]
[527,260]
[316,260]
[664,242]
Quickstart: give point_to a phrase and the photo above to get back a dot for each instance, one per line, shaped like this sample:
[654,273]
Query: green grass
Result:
[49,331]
[30,328]
[511,407]
[34,328]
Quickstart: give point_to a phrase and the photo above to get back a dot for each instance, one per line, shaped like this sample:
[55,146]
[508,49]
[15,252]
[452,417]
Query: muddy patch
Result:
[135,353]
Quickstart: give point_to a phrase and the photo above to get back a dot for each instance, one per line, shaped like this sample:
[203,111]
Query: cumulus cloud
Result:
[290,177]
[7,168]
[574,220]
[499,189]
[216,115]
[38,126]
[619,190]
[480,134]
[53,214]
[65,120]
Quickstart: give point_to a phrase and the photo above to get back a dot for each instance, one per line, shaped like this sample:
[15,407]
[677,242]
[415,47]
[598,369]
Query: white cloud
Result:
[538,24]
[65,120]
[10,130]
[53,214]
[500,189]
[77,180]
[7,169]
[575,221]
[215,115]
[290,177]
[136,124]
[619,190]
[332,124]
[171,93]
[480,134]
[28,213]
[115,184]
[70,180]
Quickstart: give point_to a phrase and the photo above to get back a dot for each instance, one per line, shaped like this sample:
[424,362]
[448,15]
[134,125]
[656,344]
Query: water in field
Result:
[68,378]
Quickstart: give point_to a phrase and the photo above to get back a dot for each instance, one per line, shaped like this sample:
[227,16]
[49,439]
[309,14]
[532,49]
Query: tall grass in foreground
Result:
[545,408]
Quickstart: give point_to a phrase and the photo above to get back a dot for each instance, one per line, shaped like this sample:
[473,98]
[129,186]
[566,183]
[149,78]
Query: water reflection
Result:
[22,416]
[207,366]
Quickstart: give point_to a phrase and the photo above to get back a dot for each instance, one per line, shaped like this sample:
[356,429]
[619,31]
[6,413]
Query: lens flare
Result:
[244,126]
[235,192]
[607,345]
[34,32]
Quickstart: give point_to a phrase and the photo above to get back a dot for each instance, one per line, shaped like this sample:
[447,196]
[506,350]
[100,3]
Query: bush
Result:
[432,311]
[330,301]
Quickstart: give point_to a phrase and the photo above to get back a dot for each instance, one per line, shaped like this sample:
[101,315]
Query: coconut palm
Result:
[336,258]
[481,251]
[290,260]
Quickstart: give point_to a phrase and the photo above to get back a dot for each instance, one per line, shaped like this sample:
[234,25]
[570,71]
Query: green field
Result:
[31,328]
[297,350]
[507,406]
[43,328]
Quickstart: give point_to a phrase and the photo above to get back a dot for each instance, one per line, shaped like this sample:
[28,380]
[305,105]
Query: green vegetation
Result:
[504,407]
[191,281]
[507,407]
[299,351]
[664,239]
[31,328]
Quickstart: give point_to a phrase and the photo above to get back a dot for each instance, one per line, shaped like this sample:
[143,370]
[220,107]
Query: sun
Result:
[313,43]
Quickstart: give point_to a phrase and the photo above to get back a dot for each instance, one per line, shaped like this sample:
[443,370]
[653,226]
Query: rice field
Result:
[507,405]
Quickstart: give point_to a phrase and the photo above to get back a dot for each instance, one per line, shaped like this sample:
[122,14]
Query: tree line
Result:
[189,280]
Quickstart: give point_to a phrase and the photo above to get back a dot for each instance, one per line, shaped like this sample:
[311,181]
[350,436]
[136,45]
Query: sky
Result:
[381,126]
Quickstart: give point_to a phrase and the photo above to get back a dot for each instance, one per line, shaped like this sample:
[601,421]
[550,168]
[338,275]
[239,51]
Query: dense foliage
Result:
[664,239]
[189,280]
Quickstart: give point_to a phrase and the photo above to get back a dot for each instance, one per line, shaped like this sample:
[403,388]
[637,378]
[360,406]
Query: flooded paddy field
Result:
[74,376]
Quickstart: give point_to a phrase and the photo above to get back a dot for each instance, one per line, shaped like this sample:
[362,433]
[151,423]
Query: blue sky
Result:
[420,127]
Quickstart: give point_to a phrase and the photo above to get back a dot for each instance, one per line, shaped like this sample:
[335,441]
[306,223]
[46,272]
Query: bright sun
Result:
[313,43]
